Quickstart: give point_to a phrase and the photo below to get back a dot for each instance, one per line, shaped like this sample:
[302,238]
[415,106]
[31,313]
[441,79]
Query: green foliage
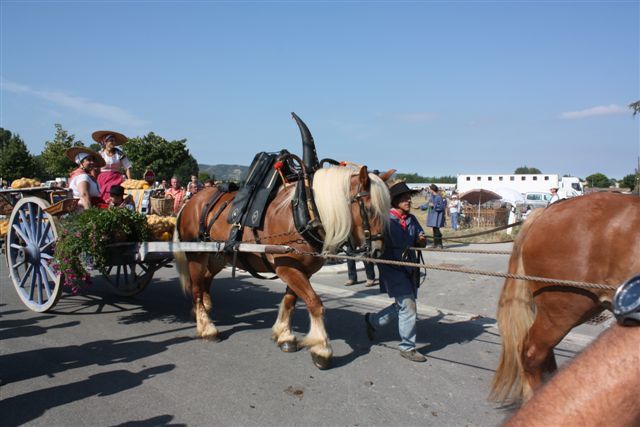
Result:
[630,181]
[86,236]
[527,170]
[635,106]
[415,178]
[15,159]
[53,160]
[202,177]
[164,158]
[598,180]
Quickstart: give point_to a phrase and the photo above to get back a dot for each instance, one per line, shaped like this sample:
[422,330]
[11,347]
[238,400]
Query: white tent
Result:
[509,195]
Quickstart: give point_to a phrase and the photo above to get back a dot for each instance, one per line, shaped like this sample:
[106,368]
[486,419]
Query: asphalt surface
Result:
[99,359]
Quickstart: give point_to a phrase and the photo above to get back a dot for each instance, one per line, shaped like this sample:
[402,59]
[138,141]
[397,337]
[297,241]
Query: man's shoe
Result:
[413,355]
[370,283]
[371,332]
[350,282]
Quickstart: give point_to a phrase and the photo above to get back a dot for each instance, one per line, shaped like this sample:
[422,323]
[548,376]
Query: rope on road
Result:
[462,251]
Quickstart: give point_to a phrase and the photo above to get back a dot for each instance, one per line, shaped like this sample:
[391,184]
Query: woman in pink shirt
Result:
[115,160]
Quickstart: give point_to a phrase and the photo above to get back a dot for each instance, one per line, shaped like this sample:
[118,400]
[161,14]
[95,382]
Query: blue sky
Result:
[436,88]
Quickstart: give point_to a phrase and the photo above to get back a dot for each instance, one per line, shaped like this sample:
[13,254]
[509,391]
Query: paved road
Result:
[103,360]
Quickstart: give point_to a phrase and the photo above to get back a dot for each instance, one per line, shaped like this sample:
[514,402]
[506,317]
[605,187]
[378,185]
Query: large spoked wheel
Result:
[30,244]
[125,275]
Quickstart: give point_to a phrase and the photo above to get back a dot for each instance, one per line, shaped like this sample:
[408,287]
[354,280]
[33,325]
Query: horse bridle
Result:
[366,228]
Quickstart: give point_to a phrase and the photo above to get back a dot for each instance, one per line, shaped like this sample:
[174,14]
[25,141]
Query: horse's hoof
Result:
[212,338]
[321,362]
[289,346]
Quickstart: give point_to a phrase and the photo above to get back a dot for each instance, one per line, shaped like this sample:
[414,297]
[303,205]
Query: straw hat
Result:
[99,134]
[72,152]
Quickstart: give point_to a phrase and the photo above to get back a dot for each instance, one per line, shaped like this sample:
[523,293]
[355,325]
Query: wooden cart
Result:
[30,244]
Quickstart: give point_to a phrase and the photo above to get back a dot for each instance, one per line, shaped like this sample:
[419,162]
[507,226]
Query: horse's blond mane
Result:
[332,193]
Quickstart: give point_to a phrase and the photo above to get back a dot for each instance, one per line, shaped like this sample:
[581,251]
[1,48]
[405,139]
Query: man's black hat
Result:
[399,189]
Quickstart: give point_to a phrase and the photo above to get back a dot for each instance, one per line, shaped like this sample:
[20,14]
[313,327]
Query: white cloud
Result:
[600,110]
[81,105]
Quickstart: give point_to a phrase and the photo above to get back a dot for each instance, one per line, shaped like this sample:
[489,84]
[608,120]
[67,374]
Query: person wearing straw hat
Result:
[115,160]
[400,282]
[82,184]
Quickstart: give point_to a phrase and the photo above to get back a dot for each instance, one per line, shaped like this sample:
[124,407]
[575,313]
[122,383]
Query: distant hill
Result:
[224,172]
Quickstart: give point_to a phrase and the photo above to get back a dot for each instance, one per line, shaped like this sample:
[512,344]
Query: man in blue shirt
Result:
[400,283]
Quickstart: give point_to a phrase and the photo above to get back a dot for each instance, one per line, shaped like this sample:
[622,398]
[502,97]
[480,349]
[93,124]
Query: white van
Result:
[536,200]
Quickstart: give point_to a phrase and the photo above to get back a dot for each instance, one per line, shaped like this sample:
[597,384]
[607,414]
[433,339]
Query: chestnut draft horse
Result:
[342,195]
[594,239]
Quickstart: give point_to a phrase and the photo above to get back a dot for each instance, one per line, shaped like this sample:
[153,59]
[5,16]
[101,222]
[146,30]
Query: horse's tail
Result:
[180,259]
[515,317]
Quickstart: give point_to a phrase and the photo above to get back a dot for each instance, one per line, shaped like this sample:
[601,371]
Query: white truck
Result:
[568,186]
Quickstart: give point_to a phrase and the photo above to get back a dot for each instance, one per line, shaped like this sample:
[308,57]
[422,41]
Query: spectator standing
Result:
[194,186]
[400,282]
[554,195]
[454,209]
[435,217]
[114,158]
[175,192]
[353,273]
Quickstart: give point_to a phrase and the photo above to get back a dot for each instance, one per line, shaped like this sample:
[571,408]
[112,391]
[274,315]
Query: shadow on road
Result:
[26,407]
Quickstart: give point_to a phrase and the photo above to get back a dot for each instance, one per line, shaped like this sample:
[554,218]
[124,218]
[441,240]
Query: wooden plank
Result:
[146,248]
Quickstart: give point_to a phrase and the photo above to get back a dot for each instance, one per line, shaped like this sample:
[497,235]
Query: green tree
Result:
[527,170]
[203,176]
[53,161]
[630,181]
[635,106]
[164,158]
[415,178]
[598,180]
[15,159]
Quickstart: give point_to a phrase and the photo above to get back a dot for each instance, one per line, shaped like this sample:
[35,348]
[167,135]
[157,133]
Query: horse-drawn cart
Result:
[33,230]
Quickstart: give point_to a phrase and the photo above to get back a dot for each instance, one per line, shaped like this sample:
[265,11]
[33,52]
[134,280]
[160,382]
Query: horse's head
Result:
[370,204]
[354,206]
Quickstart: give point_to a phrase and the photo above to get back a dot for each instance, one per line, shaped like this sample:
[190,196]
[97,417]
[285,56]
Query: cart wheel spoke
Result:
[45,234]
[49,271]
[17,264]
[45,282]
[24,225]
[21,233]
[32,291]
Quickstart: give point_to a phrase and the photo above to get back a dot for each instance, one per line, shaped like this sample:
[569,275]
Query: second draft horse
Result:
[593,239]
[353,204]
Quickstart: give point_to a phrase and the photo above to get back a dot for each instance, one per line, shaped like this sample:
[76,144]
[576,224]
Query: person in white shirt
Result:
[554,195]
[82,184]
[454,210]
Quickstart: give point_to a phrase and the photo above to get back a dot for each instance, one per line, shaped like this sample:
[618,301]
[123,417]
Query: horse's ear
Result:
[364,177]
[388,174]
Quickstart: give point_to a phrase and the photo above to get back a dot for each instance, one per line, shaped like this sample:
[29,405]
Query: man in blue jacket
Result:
[435,217]
[400,283]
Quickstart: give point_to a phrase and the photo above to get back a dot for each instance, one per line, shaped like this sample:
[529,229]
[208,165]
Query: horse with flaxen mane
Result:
[352,205]
[592,239]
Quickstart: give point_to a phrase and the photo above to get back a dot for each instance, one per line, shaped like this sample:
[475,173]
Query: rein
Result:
[366,227]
